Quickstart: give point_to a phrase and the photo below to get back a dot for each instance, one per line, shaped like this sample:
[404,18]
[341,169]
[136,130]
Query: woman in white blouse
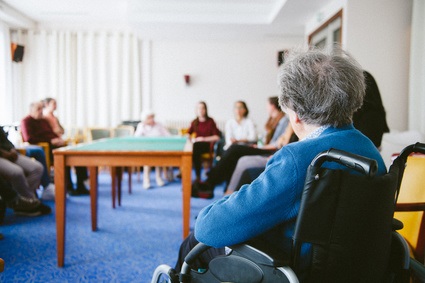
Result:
[240,129]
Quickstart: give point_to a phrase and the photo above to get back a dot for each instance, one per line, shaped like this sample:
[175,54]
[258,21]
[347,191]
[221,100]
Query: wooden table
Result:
[119,152]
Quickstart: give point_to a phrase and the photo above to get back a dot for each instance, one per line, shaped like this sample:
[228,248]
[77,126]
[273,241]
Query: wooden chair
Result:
[76,135]
[122,131]
[207,158]
[46,148]
[98,133]
[411,206]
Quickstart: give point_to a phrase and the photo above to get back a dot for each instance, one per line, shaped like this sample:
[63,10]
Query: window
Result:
[328,33]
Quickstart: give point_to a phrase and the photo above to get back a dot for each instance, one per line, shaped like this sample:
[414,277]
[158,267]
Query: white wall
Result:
[417,69]
[221,73]
[377,34]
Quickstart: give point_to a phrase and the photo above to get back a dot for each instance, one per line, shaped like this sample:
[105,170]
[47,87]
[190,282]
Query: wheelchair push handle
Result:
[361,164]
[189,259]
[414,148]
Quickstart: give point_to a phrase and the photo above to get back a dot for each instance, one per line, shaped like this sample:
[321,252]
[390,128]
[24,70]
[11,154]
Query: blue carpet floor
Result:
[145,231]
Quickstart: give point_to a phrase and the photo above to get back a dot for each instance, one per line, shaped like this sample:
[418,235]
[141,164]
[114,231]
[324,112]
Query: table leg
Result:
[130,172]
[114,184]
[60,200]
[186,170]
[119,182]
[93,196]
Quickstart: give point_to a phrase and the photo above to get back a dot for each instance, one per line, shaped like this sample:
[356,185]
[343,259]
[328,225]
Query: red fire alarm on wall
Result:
[187,79]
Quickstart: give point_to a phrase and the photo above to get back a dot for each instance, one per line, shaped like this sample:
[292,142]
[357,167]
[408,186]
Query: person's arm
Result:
[285,137]
[58,142]
[11,155]
[163,130]
[60,130]
[207,139]
[139,129]
[280,129]
[191,129]
[282,140]
[269,200]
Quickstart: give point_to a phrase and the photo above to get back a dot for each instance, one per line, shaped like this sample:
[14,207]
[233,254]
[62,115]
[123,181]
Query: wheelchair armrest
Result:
[195,252]
[256,255]
[242,250]
[190,258]
[397,224]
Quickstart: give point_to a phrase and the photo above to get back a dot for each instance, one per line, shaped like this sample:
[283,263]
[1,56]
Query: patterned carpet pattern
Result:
[145,231]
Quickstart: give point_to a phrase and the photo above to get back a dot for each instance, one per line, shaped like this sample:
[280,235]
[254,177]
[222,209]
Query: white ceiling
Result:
[173,18]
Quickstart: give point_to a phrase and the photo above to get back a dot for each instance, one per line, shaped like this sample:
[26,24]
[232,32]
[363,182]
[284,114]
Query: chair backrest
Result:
[123,131]
[75,135]
[411,205]
[98,133]
[347,218]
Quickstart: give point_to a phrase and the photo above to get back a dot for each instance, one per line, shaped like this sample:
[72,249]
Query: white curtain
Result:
[417,69]
[95,77]
[6,99]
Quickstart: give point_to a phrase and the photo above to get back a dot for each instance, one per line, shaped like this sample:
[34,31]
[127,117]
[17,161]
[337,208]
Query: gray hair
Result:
[322,87]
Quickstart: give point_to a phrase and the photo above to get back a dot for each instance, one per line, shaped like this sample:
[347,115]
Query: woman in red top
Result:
[203,133]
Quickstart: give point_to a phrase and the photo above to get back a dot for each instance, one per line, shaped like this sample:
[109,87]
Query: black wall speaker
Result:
[281,57]
[17,52]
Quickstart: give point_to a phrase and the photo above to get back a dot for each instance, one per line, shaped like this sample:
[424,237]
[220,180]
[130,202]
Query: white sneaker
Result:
[146,177]
[87,184]
[159,182]
[48,192]
[146,184]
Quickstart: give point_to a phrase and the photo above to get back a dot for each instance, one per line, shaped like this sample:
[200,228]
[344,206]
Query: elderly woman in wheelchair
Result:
[320,91]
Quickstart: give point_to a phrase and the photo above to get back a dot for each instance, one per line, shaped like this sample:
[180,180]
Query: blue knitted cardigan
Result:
[263,213]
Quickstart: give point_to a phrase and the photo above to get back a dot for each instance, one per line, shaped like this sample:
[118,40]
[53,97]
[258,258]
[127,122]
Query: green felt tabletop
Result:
[173,143]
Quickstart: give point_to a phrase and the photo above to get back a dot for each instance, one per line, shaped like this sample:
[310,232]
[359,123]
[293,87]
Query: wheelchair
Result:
[346,218]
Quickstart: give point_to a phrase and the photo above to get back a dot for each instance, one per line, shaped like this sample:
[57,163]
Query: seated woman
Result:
[203,132]
[240,129]
[320,91]
[49,109]
[150,128]
[224,168]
